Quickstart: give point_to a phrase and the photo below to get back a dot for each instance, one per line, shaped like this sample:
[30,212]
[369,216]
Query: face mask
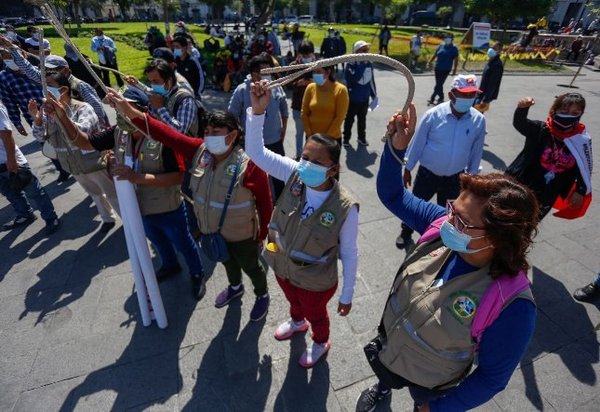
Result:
[216,144]
[564,122]
[458,241]
[177,52]
[319,79]
[491,53]
[179,30]
[311,174]
[307,59]
[36,36]
[462,105]
[11,65]
[332,35]
[160,89]
[266,77]
[448,41]
[55,91]
[124,125]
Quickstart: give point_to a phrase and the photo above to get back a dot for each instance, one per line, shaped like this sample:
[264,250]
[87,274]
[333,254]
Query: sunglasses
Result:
[458,223]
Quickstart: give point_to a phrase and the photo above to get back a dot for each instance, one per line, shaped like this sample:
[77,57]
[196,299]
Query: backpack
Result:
[199,124]
[501,291]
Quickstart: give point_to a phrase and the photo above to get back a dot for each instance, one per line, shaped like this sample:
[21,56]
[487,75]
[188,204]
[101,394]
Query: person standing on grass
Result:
[385,35]
[360,81]
[107,55]
[416,42]
[446,60]
[315,222]
[12,166]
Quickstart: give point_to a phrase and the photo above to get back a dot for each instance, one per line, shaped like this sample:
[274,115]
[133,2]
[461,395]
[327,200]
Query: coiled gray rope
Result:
[302,69]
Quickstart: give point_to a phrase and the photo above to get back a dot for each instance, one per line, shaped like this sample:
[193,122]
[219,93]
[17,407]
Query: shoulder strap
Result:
[499,293]
[229,191]
[432,231]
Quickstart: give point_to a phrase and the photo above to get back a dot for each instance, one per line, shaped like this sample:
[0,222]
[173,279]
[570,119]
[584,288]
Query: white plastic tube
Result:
[148,294]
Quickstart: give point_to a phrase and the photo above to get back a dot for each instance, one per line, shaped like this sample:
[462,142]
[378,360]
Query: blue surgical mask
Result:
[319,79]
[216,144]
[55,91]
[491,53]
[177,52]
[312,174]
[159,89]
[448,41]
[457,241]
[462,104]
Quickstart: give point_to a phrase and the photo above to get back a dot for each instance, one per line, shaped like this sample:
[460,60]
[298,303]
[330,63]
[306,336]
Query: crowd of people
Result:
[253,208]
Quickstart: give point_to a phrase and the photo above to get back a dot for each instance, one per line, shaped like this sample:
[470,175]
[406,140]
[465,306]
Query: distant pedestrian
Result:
[448,141]
[106,49]
[306,54]
[490,79]
[575,48]
[446,57]
[341,46]
[556,160]
[385,35]
[188,66]
[329,46]
[19,185]
[32,43]
[360,81]
[416,42]
[296,37]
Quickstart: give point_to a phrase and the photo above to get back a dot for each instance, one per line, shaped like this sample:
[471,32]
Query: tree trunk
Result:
[166,16]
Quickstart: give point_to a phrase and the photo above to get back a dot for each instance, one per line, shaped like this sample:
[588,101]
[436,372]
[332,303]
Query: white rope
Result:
[42,57]
[302,69]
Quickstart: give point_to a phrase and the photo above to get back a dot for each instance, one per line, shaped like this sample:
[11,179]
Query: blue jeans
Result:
[299,131]
[597,280]
[169,231]
[33,192]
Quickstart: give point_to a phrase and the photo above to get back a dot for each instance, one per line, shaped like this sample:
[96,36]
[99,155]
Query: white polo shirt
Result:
[6,125]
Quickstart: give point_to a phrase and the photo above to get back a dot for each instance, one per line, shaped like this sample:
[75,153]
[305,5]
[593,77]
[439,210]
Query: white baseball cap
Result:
[359,45]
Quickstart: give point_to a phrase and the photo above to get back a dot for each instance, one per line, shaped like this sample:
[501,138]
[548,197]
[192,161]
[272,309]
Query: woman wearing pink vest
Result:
[427,340]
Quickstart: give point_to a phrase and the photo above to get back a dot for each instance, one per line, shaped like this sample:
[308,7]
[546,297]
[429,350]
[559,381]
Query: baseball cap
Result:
[164,53]
[53,61]
[359,45]
[465,83]
[134,95]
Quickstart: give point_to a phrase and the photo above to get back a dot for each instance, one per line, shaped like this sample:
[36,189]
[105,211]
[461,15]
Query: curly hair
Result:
[510,217]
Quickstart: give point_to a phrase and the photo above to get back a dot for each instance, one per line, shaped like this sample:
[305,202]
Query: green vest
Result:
[428,328]
[209,186]
[151,199]
[74,160]
[307,249]
[172,105]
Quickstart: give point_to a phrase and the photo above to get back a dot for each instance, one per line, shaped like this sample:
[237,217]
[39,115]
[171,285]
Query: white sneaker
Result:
[289,328]
[313,353]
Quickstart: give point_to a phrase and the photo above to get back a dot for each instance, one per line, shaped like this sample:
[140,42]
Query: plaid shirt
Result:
[16,90]
[84,118]
[88,94]
[183,119]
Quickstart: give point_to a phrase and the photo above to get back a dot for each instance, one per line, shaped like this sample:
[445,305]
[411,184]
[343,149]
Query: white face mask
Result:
[11,65]
[11,35]
[36,36]
[216,144]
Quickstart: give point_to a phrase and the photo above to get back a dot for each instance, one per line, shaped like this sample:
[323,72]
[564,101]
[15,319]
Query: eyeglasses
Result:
[458,223]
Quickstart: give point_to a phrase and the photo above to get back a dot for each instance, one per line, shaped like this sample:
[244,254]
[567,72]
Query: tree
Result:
[507,10]
[390,9]
[444,14]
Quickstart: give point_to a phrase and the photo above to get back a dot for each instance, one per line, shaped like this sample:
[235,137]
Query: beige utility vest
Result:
[151,199]
[428,328]
[307,249]
[172,105]
[74,160]
[209,184]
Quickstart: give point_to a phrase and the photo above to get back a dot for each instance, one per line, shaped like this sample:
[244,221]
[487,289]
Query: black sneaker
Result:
[587,293]
[19,222]
[363,142]
[404,238]
[260,308]
[346,143]
[369,398]
[164,273]
[63,176]
[198,286]
[52,226]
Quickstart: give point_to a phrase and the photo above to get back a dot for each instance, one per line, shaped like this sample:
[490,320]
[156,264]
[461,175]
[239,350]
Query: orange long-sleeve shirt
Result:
[324,109]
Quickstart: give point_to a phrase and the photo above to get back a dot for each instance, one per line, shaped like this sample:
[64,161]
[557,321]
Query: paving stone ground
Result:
[71,336]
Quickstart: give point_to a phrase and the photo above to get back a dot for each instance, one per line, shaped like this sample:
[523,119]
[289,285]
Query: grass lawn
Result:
[132,55]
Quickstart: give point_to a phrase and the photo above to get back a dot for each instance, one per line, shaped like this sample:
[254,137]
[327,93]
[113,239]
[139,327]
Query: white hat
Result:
[465,83]
[359,45]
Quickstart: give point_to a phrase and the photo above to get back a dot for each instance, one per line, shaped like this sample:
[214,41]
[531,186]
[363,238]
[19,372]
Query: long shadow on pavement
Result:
[231,376]
[560,322]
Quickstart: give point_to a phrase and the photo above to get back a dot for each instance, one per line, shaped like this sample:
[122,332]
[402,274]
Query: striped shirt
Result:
[16,90]
[88,94]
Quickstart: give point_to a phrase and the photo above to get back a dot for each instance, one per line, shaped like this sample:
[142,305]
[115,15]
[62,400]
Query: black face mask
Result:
[564,122]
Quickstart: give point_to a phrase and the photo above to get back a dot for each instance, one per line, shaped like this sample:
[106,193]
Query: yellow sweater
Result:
[324,110]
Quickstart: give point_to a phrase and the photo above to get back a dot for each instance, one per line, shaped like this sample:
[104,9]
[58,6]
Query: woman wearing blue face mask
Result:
[313,222]
[215,159]
[325,104]
[477,242]
[556,161]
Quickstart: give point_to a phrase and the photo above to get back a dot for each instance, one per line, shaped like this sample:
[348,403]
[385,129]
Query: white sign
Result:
[481,36]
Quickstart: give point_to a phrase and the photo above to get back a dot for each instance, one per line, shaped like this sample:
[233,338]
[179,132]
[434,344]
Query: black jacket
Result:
[490,80]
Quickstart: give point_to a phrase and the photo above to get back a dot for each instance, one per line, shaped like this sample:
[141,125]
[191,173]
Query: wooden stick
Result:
[42,57]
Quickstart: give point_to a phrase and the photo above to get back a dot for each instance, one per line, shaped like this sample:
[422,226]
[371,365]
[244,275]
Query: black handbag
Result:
[214,245]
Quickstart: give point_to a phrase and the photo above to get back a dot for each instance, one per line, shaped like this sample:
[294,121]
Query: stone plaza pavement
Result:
[71,336]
